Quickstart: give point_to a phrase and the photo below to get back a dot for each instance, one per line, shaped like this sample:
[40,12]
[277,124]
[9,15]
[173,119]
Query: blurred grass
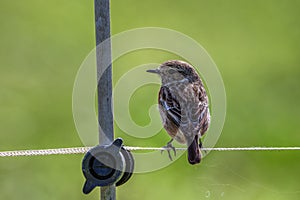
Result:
[255,44]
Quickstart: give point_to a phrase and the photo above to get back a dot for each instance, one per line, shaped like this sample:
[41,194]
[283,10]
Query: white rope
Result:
[44,152]
[81,150]
[221,148]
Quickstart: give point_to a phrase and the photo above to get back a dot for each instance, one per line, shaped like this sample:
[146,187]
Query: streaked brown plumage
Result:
[183,105]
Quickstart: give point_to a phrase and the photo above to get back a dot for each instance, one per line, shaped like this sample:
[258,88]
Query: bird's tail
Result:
[194,154]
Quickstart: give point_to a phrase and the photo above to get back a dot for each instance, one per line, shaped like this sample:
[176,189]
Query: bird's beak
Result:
[156,71]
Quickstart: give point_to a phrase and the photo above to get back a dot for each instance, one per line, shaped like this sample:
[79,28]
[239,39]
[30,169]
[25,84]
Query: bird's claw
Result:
[168,148]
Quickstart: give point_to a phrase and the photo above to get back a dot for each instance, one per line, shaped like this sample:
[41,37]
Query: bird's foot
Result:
[168,148]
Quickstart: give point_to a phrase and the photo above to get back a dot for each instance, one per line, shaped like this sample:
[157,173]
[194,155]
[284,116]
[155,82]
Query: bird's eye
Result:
[171,71]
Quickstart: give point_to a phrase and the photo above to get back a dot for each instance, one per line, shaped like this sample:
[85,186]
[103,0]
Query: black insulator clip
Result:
[105,165]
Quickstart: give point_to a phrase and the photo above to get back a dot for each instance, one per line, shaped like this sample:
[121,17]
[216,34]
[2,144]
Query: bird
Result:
[183,106]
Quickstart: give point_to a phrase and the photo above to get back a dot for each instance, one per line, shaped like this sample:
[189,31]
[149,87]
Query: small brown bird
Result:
[183,106]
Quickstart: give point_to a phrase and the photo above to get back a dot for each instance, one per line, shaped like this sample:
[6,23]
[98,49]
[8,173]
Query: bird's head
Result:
[175,71]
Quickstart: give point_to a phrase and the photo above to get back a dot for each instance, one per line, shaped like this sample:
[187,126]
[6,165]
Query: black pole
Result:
[104,77]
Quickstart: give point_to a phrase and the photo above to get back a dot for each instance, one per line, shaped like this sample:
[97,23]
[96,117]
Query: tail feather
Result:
[194,155]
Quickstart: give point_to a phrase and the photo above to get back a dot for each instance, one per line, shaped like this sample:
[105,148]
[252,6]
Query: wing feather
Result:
[170,106]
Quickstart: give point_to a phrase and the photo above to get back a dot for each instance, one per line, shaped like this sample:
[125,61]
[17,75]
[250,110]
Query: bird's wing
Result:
[201,110]
[170,106]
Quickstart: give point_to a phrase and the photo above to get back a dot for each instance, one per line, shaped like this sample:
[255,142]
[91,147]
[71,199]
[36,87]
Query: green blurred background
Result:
[255,44]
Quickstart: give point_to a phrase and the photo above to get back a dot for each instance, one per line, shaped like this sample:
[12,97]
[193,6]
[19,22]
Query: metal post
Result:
[104,77]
